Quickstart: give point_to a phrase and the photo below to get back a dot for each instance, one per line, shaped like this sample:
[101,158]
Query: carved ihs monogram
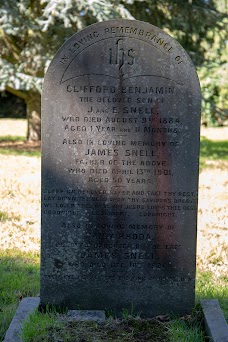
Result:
[120,55]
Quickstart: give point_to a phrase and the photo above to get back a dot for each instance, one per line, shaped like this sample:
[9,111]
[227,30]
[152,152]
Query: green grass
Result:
[208,288]
[49,327]
[19,277]
[185,332]
[212,150]
[132,330]
[38,325]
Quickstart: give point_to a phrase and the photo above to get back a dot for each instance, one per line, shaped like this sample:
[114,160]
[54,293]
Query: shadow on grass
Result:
[212,150]
[19,278]
[11,138]
[10,145]
[209,150]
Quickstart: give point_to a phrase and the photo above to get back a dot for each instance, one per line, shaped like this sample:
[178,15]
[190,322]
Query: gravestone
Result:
[120,145]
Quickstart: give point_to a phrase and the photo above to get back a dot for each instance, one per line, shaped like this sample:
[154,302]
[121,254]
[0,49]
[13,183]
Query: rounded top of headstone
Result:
[141,49]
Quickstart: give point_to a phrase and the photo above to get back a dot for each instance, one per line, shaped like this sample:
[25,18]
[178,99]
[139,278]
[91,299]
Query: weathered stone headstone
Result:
[120,136]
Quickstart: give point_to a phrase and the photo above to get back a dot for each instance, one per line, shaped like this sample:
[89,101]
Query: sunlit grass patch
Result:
[13,127]
[20,202]
[19,278]
[5,216]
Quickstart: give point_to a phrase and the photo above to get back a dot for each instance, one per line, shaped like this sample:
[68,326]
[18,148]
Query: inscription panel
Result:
[121,114]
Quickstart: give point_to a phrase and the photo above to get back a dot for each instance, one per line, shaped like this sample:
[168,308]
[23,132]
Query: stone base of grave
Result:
[215,323]
[28,305]
[85,315]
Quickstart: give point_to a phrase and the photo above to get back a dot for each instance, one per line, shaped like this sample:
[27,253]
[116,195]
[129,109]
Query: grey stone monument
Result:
[120,145]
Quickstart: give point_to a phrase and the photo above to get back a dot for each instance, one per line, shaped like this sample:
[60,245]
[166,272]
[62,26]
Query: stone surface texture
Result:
[120,145]
[25,308]
[215,323]
[85,315]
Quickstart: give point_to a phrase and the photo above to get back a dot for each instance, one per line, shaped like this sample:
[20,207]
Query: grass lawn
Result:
[19,247]
[19,278]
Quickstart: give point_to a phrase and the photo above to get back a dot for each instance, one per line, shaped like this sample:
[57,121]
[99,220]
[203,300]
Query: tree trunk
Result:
[33,103]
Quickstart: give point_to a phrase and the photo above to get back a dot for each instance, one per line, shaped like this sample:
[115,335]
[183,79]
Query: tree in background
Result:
[200,26]
[213,73]
[31,31]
